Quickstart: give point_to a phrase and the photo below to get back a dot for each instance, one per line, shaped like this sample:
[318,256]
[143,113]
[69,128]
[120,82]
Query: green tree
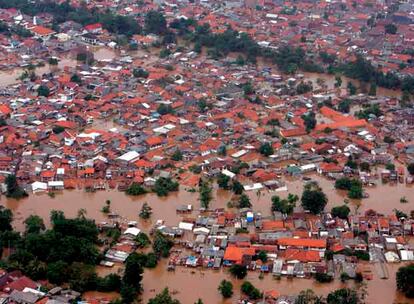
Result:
[373,89]
[177,155]
[205,194]
[340,211]
[6,218]
[163,298]
[43,91]
[155,23]
[313,198]
[391,28]
[410,168]
[338,81]
[351,88]
[266,149]
[135,189]
[111,282]
[107,207]
[262,255]
[364,166]
[356,191]
[308,297]
[53,61]
[252,292]
[223,181]
[162,245]
[244,201]
[343,183]
[303,88]
[285,206]
[34,224]
[226,288]
[344,106]
[323,277]
[164,185]
[128,293]
[343,296]
[140,73]
[240,60]
[142,240]
[133,272]
[238,271]
[57,272]
[76,78]
[13,188]
[310,121]
[145,212]
[58,129]
[164,109]
[237,187]
[405,280]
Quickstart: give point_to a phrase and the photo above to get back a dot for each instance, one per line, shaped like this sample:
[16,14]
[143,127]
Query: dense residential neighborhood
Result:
[281,131]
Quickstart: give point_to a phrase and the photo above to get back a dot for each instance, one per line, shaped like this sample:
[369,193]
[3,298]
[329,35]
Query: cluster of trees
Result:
[285,206]
[289,60]
[226,289]
[367,112]
[165,185]
[405,280]
[304,87]
[266,149]
[221,44]
[353,186]
[14,30]
[224,182]
[251,291]
[313,198]
[310,121]
[64,11]
[205,194]
[65,253]
[338,296]
[135,189]
[363,70]
[340,211]
[13,188]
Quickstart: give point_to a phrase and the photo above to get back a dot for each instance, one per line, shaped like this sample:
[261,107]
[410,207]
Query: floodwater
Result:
[189,284]
[10,77]
[329,81]
[383,198]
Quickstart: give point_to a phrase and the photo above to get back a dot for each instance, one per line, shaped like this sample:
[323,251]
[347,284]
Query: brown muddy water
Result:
[190,284]
[10,77]
[383,198]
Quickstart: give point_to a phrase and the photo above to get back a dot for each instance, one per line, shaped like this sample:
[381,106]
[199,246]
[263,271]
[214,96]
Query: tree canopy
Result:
[313,199]
[405,280]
